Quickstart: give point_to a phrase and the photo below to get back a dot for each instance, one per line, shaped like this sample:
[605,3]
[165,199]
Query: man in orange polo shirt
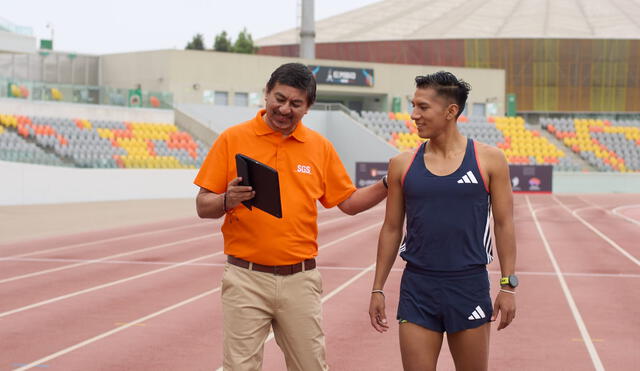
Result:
[270,280]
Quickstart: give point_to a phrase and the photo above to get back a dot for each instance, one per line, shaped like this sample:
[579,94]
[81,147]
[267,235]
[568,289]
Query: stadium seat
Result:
[104,143]
[606,145]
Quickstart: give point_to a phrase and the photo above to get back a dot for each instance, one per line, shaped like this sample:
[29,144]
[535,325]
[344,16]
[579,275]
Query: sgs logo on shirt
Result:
[304,169]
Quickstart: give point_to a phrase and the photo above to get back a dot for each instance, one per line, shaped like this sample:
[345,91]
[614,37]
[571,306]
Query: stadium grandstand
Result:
[559,56]
[552,86]
[564,61]
[108,260]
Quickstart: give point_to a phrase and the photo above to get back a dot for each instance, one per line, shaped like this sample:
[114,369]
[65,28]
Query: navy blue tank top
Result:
[447,216]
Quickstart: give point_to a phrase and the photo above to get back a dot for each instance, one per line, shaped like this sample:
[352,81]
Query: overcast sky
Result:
[113,26]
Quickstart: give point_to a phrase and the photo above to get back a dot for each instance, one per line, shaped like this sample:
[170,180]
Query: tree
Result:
[244,43]
[222,42]
[197,43]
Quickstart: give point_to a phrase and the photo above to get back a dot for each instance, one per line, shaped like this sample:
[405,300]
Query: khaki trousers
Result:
[254,302]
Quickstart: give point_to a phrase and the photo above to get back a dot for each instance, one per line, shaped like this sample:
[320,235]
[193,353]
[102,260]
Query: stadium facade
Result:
[15,38]
[559,56]
[238,79]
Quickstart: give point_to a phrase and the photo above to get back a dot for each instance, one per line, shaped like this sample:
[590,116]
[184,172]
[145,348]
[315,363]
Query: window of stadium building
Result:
[241,99]
[221,98]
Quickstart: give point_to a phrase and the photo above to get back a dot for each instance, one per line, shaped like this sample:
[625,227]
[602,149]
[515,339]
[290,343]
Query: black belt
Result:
[280,270]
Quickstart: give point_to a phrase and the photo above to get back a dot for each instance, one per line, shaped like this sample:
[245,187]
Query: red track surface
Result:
[146,297]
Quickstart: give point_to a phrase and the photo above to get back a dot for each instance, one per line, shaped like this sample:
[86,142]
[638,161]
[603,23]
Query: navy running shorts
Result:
[445,301]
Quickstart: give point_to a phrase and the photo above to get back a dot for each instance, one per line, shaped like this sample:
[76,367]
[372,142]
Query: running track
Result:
[146,297]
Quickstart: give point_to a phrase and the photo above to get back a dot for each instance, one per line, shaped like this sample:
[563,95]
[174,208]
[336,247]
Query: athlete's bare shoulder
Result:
[485,149]
[491,158]
[403,157]
[400,163]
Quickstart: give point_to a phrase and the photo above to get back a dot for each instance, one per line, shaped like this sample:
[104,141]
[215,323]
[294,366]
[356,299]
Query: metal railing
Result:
[12,27]
[330,107]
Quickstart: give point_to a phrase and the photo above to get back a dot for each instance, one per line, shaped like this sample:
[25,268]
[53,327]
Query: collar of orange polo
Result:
[262,128]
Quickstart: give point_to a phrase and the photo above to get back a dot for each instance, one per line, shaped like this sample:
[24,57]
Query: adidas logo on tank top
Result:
[468,178]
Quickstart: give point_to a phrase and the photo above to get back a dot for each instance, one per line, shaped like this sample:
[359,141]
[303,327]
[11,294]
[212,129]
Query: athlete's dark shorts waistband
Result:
[429,272]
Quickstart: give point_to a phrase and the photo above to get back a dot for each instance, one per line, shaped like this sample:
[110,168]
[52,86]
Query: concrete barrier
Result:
[25,184]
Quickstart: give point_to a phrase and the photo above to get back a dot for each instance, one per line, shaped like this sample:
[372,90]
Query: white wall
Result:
[219,118]
[188,73]
[352,141]
[569,182]
[355,143]
[12,42]
[85,111]
[34,184]
[24,184]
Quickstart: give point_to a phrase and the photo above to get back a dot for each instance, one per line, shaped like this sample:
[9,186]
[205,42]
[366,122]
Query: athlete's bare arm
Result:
[496,167]
[390,238]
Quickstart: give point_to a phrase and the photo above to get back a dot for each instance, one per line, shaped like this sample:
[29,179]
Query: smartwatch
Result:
[511,280]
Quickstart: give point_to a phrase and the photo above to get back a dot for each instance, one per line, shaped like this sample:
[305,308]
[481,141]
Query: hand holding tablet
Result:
[264,181]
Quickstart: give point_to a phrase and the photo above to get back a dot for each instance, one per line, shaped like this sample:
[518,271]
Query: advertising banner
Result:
[524,178]
[343,75]
[370,172]
[531,178]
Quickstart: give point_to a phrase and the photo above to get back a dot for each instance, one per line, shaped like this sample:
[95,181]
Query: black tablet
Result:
[264,180]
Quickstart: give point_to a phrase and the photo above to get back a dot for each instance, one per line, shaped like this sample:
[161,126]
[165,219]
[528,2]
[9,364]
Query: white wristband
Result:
[508,291]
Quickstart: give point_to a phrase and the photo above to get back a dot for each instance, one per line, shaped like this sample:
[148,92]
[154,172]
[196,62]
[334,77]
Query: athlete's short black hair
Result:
[296,75]
[446,85]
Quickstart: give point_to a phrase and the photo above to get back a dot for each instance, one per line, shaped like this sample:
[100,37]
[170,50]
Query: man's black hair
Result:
[296,75]
[446,85]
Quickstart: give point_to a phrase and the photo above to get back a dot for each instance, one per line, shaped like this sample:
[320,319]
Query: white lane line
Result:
[576,274]
[341,218]
[150,316]
[348,283]
[109,284]
[82,244]
[330,295]
[631,220]
[545,208]
[116,330]
[117,262]
[112,239]
[345,284]
[377,225]
[600,234]
[613,211]
[593,353]
[325,267]
[91,289]
[92,261]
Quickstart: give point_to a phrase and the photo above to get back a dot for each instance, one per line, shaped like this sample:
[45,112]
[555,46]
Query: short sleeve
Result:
[213,172]
[337,183]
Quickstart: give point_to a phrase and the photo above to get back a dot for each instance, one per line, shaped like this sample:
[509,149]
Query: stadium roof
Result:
[472,19]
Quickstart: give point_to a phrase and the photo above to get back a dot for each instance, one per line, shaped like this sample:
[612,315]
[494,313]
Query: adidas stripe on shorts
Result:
[445,301]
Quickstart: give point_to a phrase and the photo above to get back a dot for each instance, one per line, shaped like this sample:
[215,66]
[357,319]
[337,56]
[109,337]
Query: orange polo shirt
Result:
[309,170]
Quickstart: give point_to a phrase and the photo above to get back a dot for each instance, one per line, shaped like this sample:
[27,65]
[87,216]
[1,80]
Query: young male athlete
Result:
[448,189]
